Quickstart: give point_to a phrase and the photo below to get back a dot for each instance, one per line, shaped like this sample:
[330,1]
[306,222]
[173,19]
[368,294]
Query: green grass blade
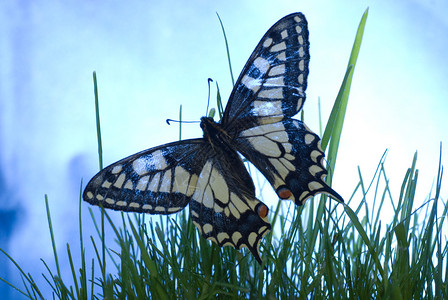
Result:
[150,264]
[335,123]
[26,279]
[157,286]
[97,117]
[354,218]
[219,102]
[72,268]
[336,115]
[227,49]
[100,159]
[53,243]
[83,270]
[320,115]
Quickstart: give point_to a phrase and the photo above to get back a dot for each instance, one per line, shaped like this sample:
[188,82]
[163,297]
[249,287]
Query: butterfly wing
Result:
[164,179]
[159,180]
[272,85]
[209,174]
[269,91]
[224,207]
[289,156]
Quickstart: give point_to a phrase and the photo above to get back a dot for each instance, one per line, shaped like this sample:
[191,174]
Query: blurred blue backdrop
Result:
[152,56]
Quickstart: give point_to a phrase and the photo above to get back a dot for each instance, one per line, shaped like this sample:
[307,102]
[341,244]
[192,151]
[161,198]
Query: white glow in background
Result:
[151,57]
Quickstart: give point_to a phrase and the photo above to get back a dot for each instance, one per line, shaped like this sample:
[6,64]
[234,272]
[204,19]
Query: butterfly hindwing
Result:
[288,154]
[224,209]
[272,85]
[160,180]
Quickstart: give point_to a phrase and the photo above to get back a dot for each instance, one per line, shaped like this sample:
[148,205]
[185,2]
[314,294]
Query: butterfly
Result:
[208,173]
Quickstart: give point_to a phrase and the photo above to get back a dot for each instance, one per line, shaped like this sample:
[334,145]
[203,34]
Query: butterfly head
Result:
[206,122]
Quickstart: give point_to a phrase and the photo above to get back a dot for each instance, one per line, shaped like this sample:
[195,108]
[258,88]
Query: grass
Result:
[318,251]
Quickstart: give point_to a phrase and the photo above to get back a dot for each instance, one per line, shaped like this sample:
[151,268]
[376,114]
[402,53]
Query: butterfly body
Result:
[208,173]
[214,133]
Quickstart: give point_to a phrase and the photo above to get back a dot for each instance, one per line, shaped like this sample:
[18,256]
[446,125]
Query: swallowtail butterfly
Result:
[208,173]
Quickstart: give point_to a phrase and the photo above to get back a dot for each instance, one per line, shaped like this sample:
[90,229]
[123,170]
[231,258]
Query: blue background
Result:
[152,56]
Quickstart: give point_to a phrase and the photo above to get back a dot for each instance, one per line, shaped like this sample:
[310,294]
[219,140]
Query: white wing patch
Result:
[270,140]
[251,83]
[267,108]
[150,162]
[262,64]
[277,70]
[278,47]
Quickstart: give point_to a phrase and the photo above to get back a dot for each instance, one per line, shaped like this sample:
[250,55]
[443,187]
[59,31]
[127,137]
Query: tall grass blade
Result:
[337,116]
[227,50]
[354,218]
[100,158]
[219,102]
[97,117]
[53,243]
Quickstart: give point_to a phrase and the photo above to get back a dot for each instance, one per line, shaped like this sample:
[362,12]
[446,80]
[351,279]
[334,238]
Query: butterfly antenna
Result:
[168,121]
[208,98]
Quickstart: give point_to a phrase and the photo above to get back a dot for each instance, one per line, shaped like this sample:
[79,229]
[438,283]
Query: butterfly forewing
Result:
[272,85]
[160,180]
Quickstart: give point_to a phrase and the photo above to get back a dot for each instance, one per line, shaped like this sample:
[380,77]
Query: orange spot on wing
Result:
[262,210]
[284,193]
